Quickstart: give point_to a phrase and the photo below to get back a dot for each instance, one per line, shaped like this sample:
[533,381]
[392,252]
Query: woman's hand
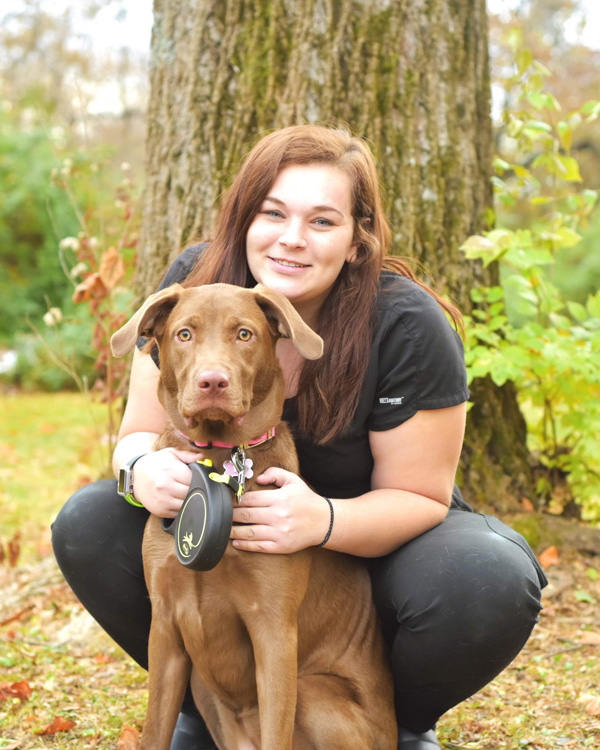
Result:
[161,480]
[283,520]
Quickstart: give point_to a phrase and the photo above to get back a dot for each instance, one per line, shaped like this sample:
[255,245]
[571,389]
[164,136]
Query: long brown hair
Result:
[329,388]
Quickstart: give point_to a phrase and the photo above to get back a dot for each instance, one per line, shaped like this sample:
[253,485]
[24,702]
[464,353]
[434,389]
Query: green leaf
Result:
[592,574]
[592,109]
[477,242]
[568,168]
[538,125]
[536,129]
[524,60]
[537,99]
[577,311]
[526,258]
[593,305]
[583,596]
[541,69]
[542,100]
[568,238]
[478,247]
[497,322]
[500,165]
[494,294]
[565,135]
[515,39]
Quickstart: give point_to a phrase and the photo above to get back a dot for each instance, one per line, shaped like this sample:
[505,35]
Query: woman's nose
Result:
[293,234]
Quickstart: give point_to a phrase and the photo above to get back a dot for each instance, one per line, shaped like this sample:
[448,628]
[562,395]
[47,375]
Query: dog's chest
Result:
[217,641]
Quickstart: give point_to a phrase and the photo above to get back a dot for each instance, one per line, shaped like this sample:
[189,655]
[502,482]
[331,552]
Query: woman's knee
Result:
[94,521]
[472,576]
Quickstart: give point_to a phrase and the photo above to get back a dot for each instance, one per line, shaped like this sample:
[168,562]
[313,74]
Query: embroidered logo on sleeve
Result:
[395,401]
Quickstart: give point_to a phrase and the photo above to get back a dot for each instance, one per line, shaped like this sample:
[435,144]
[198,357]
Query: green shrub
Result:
[529,330]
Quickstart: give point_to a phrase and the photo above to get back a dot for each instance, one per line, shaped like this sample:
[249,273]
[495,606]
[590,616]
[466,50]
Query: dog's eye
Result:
[244,334]
[184,335]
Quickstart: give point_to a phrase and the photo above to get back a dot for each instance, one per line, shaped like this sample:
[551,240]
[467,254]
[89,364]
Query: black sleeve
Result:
[182,266]
[177,272]
[420,361]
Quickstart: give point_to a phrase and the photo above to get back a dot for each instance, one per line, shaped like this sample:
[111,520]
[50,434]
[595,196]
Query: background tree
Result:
[410,76]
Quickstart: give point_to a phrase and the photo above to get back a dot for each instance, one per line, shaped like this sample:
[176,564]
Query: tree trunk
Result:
[411,76]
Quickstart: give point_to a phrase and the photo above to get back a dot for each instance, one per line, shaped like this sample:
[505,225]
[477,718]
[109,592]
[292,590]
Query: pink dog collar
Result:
[244,446]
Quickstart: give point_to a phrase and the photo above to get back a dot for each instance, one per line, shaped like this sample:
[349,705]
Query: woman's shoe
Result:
[191,734]
[414,741]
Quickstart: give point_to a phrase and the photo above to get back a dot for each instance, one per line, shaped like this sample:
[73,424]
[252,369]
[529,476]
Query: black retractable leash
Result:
[202,527]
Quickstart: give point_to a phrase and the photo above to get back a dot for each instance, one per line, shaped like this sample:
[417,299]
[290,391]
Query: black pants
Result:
[457,604]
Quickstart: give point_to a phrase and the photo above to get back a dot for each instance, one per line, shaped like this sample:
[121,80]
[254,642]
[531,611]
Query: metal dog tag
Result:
[203,525]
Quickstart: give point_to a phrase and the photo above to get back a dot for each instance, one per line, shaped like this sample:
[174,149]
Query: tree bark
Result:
[410,76]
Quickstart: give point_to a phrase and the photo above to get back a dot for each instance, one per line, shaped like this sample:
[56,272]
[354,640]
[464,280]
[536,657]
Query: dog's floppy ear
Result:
[148,321]
[288,323]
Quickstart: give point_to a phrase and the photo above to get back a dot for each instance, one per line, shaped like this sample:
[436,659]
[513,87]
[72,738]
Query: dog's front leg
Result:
[276,657]
[170,669]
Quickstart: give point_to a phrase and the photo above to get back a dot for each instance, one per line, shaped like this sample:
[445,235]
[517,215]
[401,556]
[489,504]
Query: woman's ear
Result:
[353,252]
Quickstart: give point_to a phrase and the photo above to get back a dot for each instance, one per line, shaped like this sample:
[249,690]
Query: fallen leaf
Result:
[549,557]
[591,703]
[14,549]
[590,638]
[18,615]
[103,659]
[19,690]
[527,505]
[129,738]
[58,725]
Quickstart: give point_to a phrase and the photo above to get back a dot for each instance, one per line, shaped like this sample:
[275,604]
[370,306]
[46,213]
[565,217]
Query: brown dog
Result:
[283,651]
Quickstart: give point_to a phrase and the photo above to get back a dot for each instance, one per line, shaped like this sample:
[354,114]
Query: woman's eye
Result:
[184,335]
[244,334]
[272,213]
[323,223]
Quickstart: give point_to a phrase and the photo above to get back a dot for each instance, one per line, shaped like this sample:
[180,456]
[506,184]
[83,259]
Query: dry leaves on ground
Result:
[547,699]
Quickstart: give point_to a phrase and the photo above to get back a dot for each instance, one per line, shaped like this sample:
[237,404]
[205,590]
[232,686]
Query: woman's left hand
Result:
[283,520]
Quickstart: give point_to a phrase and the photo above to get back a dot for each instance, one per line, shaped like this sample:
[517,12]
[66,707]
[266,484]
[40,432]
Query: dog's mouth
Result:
[213,416]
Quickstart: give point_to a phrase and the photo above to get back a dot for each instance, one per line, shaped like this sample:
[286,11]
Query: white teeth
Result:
[292,265]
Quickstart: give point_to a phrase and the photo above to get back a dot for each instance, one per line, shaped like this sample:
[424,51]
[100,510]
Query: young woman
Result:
[379,424]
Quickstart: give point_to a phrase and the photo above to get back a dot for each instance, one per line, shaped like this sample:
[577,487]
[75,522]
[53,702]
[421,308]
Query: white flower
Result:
[70,243]
[53,316]
[77,270]
[125,166]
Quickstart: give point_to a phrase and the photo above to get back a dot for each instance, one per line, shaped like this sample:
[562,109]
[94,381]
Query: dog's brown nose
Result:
[212,381]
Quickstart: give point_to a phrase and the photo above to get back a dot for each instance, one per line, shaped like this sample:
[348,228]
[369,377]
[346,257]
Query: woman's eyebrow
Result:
[314,208]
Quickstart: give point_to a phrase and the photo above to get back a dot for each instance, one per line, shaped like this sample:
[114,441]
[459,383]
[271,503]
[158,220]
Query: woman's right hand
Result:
[161,480]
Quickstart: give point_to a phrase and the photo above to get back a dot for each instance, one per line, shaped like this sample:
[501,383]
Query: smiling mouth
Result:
[289,263]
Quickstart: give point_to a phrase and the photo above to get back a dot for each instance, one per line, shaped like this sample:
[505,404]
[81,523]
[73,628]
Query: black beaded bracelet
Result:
[324,542]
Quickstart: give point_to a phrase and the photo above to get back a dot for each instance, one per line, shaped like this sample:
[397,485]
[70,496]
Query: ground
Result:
[60,675]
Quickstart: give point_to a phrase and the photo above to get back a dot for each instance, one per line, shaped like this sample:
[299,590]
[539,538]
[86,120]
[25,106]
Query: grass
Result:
[50,444]
[548,698]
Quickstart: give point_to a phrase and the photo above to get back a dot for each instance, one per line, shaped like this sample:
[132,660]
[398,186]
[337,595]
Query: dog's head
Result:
[219,370]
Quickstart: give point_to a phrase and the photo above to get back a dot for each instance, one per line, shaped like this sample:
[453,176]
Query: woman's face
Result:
[302,235]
